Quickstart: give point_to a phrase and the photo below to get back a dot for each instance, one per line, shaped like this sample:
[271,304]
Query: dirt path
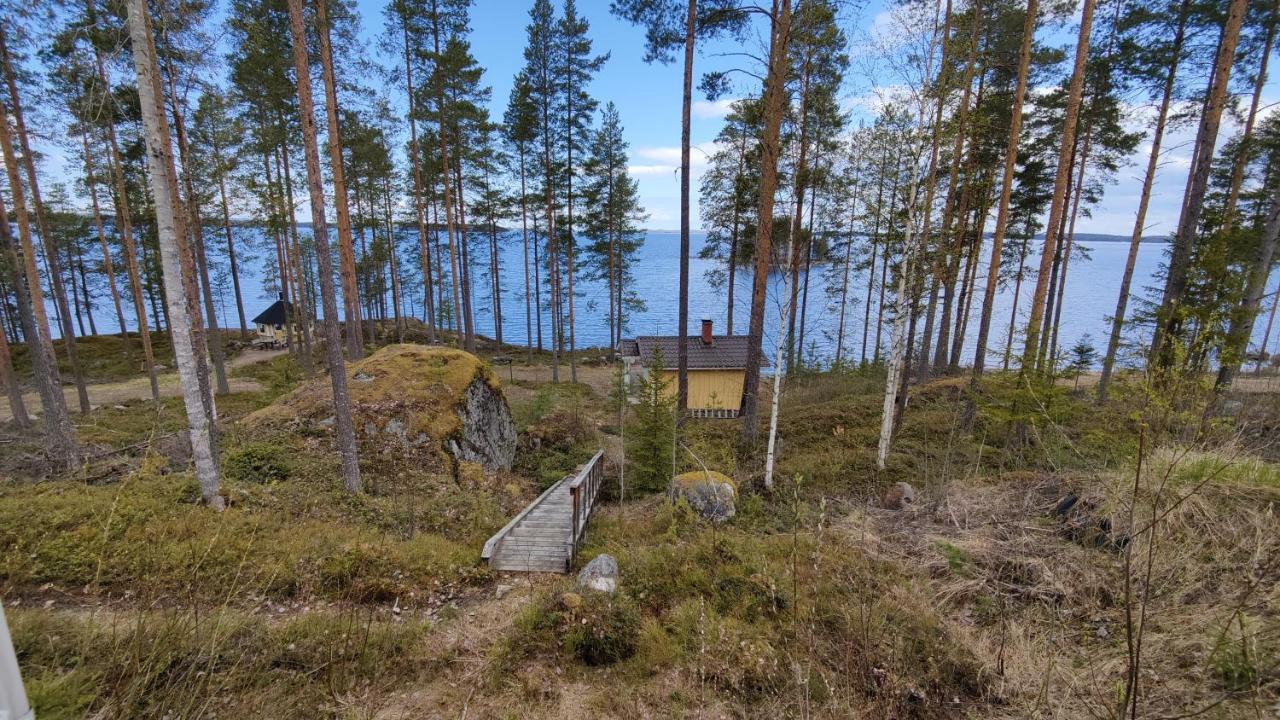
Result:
[115,393]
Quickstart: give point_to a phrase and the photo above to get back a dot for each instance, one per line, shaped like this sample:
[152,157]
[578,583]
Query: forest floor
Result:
[122,391]
[129,599]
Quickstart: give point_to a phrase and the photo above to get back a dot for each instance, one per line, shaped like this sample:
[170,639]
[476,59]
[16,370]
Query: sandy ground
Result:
[114,393]
[597,378]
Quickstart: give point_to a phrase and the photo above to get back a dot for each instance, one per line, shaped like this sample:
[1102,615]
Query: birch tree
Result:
[160,170]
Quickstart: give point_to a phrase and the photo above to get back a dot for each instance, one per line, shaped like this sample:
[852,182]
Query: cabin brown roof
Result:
[726,352]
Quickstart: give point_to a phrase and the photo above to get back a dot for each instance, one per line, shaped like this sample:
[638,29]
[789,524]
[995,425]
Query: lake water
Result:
[1092,286]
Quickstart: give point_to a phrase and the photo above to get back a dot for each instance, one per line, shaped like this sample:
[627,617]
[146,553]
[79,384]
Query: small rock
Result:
[395,427]
[362,378]
[601,574]
[1231,408]
[900,497]
[502,591]
[327,422]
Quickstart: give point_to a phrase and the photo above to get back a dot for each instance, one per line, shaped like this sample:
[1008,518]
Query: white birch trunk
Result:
[159,156]
[785,308]
[898,341]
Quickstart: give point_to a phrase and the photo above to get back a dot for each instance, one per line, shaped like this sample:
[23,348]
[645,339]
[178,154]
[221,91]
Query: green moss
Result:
[256,462]
[698,477]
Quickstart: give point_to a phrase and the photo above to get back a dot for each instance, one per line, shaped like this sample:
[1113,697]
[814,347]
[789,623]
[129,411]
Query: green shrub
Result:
[604,629]
[256,462]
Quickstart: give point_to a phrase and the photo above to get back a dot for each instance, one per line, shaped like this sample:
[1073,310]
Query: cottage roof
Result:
[276,314]
[725,352]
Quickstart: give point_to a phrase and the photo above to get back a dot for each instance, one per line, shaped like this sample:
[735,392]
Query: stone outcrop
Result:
[415,402]
[711,494]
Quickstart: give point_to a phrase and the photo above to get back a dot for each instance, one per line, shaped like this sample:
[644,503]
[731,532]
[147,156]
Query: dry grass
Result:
[1048,615]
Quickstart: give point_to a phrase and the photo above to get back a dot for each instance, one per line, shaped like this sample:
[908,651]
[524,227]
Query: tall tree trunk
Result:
[1266,334]
[874,254]
[392,262]
[346,251]
[1006,190]
[524,237]
[931,182]
[168,230]
[945,277]
[293,258]
[1030,355]
[1246,136]
[1236,344]
[734,232]
[1070,244]
[231,256]
[1144,201]
[774,101]
[17,406]
[124,227]
[469,342]
[795,227]
[54,266]
[276,222]
[91,184]
[424,251]
[320,231]
[79,304]
[35,330]
[214,335]
[464,259]
[682,329]
[1168,317]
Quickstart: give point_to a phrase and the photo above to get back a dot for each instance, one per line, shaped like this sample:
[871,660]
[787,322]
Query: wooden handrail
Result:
[583,487]
[582,491]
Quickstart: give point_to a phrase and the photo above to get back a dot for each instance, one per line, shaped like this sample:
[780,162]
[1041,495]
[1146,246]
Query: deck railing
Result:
[583,490]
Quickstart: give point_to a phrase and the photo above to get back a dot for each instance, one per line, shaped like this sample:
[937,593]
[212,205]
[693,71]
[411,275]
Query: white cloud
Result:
[713,109]
[651,169]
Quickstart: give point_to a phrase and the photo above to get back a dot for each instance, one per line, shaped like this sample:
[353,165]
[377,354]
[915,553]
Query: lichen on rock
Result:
[711,494]
[412,400]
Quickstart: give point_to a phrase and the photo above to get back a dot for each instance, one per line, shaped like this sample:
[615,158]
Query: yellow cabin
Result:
[272,323]
[717,368]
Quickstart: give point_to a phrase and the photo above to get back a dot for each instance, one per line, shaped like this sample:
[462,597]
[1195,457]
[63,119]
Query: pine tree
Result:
[577,69]
[320,232]
[520,130]
[728,186]
[612,219]
[651,433]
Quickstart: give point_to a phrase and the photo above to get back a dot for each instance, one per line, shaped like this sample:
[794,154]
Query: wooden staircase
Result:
[544,537]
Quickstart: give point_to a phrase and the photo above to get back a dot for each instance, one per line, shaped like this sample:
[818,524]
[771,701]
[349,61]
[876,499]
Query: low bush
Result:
[257,462]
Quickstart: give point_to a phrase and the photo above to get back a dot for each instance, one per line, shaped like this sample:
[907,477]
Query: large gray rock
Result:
[413,404]
[601,574]
[488,434]
[710,494]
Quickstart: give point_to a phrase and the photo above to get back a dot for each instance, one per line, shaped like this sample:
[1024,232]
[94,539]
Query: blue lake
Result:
[1092,286]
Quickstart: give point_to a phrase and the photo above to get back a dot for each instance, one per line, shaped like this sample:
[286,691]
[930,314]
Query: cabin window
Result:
[278,327]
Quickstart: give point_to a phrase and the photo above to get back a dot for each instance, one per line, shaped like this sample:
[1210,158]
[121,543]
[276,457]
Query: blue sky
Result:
[648,98]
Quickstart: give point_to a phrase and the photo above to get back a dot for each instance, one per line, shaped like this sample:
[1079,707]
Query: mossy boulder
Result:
[416,401]
[711,494]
